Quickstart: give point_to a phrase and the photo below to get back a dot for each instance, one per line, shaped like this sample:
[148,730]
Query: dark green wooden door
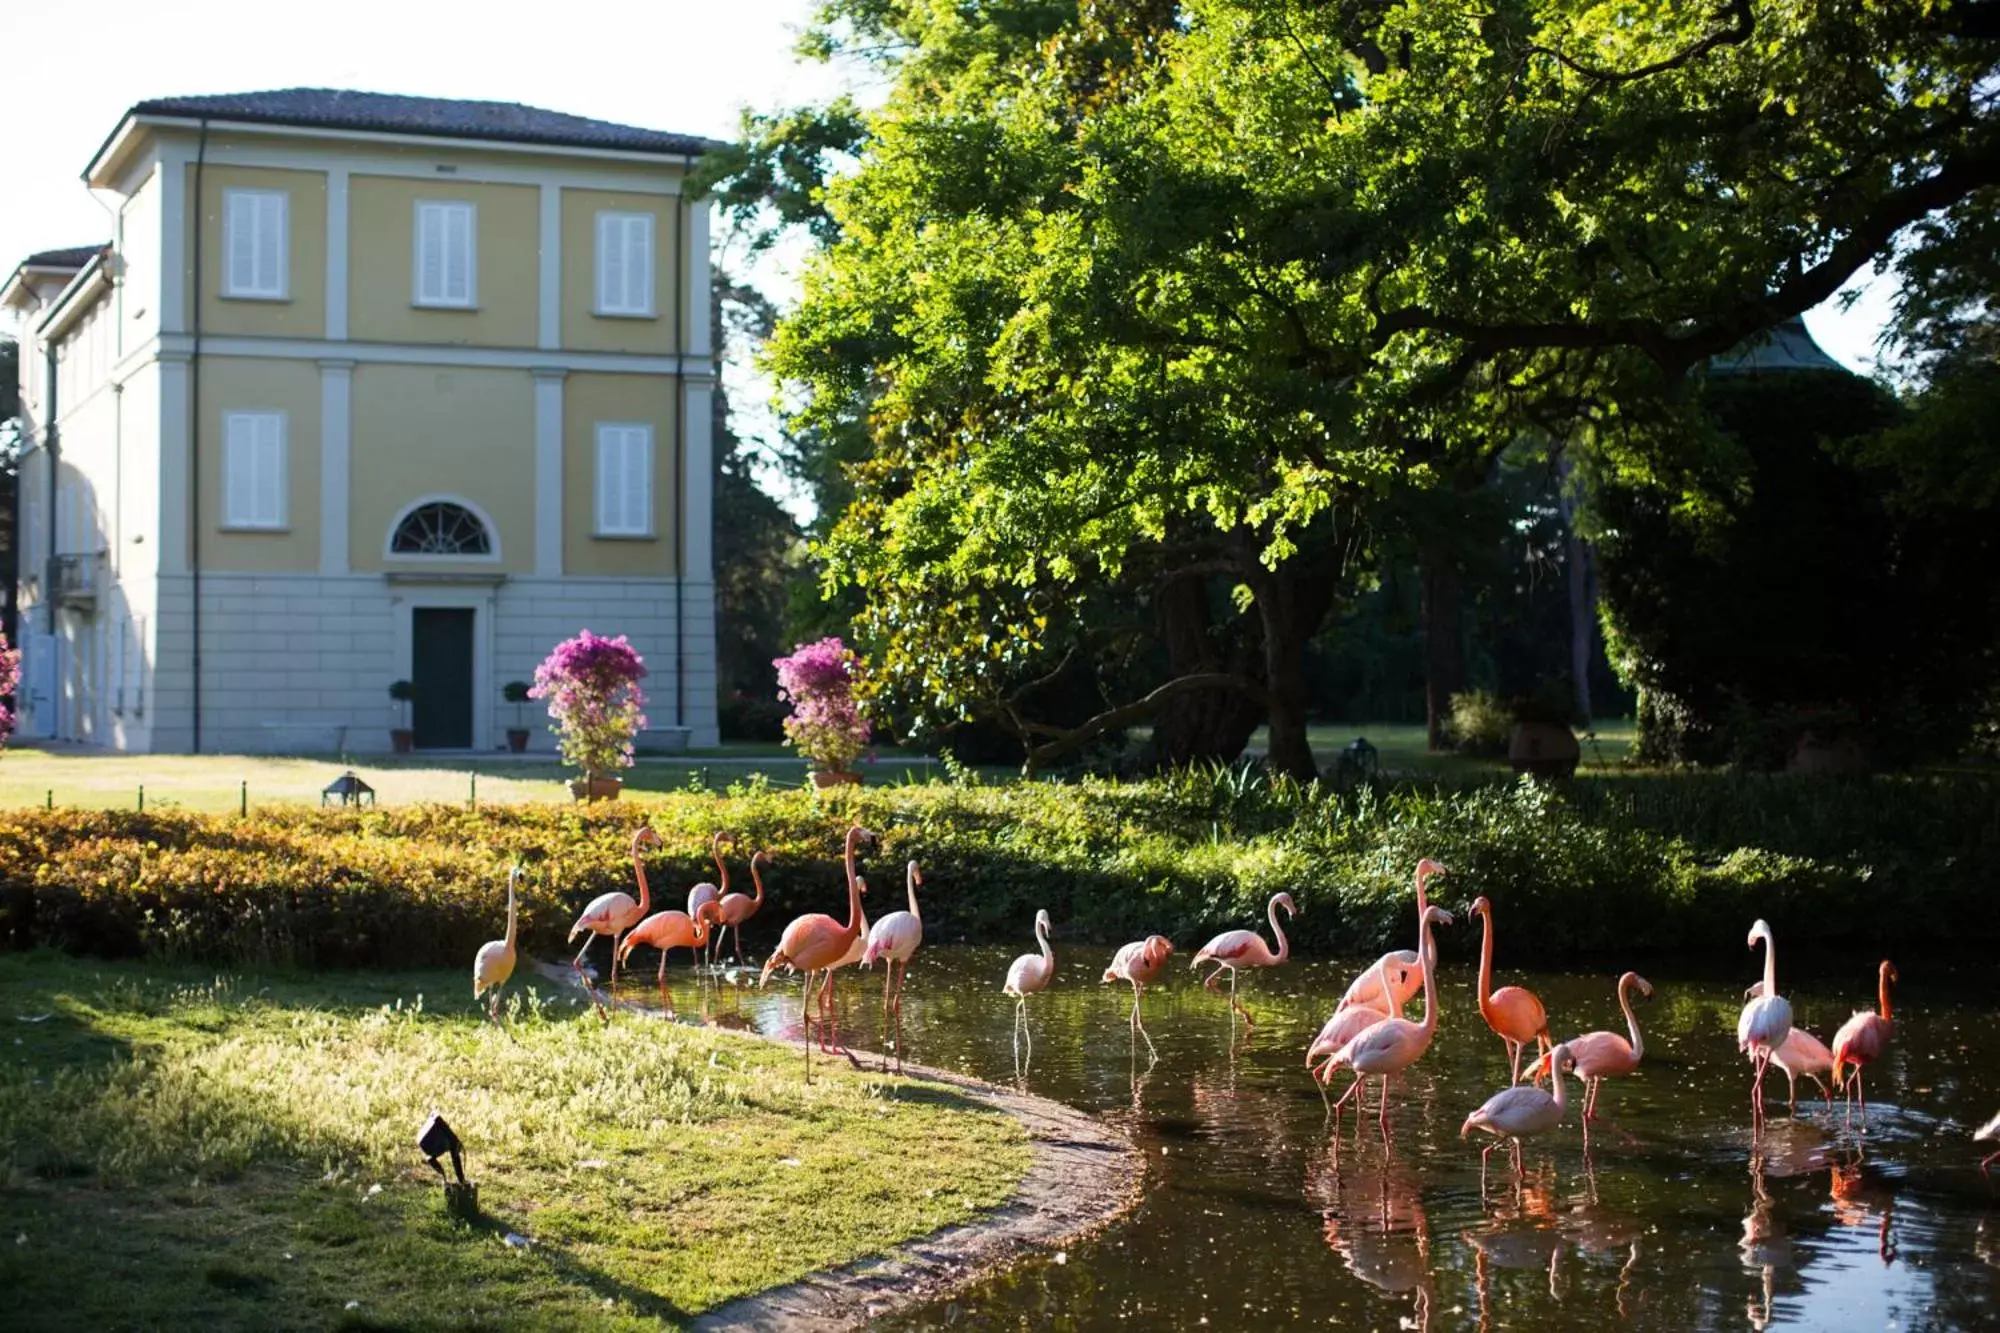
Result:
[441,644]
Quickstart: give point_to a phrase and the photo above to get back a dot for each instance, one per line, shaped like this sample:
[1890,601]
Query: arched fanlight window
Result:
[439,527]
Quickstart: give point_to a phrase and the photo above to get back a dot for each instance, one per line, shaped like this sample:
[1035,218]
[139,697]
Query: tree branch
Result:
[1124,715]
[1743,23]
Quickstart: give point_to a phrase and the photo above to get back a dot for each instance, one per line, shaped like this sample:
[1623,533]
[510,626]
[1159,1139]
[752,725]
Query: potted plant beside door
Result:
[515,692]
[402,739]
[591,685]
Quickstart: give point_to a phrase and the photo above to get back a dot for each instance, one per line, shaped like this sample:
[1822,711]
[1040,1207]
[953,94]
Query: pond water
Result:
[1256,1215]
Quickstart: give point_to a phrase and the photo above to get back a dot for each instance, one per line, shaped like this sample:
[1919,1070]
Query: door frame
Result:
[478,600]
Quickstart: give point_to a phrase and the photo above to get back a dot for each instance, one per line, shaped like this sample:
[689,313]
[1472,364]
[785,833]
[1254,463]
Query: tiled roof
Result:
[340,109]
[1789,346]
[76,256]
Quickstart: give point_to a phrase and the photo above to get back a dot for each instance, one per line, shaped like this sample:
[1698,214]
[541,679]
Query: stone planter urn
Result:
[823,778]
[598,788]
[1545,749]
[517,740]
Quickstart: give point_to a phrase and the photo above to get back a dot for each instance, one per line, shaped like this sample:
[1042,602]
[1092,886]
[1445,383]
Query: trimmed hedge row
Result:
[1625,864]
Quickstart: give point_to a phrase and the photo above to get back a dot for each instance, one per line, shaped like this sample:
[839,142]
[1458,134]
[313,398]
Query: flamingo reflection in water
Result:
[1520,1233]
[1862,1201]
[1766,1246]
[1372,1213]
[1597,1229]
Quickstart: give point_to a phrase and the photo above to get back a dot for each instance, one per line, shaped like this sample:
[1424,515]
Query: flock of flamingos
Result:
[1367,1034]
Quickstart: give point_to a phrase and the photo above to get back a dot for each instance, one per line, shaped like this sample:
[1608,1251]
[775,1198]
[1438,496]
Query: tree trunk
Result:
[1582,605]
[1204,724]
[1292,602]
[1444,642]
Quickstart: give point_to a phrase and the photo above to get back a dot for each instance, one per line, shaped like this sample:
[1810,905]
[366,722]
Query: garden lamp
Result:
[437,1140]
[349,788]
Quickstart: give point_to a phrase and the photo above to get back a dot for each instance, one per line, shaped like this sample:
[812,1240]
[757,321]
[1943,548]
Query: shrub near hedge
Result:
[1618,865]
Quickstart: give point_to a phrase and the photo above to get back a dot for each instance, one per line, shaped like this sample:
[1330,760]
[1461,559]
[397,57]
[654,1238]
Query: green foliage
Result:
[1480,723]
[1184,855]
[1816,603]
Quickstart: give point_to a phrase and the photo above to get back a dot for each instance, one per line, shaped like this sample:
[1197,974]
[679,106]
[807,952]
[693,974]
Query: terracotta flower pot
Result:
[402,740]
[517,739]
[1545,749]
[596,789]
[835,777]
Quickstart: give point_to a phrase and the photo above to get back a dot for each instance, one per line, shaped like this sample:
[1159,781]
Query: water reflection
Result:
[1256,1213]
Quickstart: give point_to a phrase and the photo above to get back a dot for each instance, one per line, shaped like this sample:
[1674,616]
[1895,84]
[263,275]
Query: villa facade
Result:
[363,389]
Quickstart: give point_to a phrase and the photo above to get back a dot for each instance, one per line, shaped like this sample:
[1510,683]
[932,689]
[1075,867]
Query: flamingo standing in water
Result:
[736,908]
[615,913]
[1986,1133]
[1393,1044]
[1236,949]
[1861,1041]
[671,930]
[1601,1055]
[1026,975]
[706,892]
[1140,962]
[894,938]
[494,962]
[828,996]
[811,944]
[1512,1012]
[1394,979]
[1800,1055]
[1515,1112]
[1345,1025]
[1766,1021]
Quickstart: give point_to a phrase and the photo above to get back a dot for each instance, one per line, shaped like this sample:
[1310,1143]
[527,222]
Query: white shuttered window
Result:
[625,264]
[447,254]
[253,470]
[624,480]
[254,240]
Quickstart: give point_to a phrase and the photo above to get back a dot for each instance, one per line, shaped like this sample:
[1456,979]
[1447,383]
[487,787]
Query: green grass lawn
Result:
[238,1151]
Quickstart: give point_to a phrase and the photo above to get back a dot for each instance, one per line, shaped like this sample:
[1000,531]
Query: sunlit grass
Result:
[253,1138]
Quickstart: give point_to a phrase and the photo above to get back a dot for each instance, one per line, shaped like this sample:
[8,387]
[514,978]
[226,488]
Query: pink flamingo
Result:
[1139,963]
[1601,1055]
[1392,1045]
[670,930]
[494,962]
[828,997]
[706,892]
[894,938]
[1512,1012]
[1986,1133]
[811,944]
[1861,1041]
[615,913]
[1025,976]
[1766,1021]
[1515,1112]
[736,908]
[1399,978]
[1234,949]
[1800,1055]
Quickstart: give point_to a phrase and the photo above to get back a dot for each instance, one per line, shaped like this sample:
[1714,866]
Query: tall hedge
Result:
[1621,865]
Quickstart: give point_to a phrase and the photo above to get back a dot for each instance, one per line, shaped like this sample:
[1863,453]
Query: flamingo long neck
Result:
[1883,992]
[1048,953]
[1556,1078]
[510,913]
[1486,960]
[757,880]
[1631,1019]
[1770,966]
[854,923]
[1430,979]
[702,925]
[910,883]
[721,866]
[1423,905]
[1284,945]
[639,869]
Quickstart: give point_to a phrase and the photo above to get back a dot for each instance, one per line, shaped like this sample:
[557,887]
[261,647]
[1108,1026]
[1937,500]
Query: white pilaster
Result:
[699,342]
[698,481]
[175,218]
[551,269]
[336,441]
[174,469]
[336,254]
[549,473]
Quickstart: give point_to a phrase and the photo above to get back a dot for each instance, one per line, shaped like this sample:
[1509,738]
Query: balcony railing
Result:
[73,581]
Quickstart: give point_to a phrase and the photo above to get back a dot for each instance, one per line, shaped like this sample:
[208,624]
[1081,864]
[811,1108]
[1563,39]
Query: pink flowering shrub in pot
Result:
[591,684]
[10,680]
[826,726]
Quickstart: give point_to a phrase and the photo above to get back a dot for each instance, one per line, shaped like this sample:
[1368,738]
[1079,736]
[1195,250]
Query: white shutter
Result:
[254,241]
[271,244]
[270,470]
[638,480]
[610,443]
[624,263]
[610,261]
[240,235]
[458,255]
[253,464]
[639,264]
[624,480]
[430,254]
[447,258]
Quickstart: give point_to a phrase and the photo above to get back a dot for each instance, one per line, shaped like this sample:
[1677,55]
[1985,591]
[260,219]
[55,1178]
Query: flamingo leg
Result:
[1987,1162]
[1861,1091]
[577,962]
[617,938]
[902,979]
[1514,1050]
[805,1024]
[1757,1085]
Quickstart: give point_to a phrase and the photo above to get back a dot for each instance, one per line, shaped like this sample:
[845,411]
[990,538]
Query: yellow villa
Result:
[364,388]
